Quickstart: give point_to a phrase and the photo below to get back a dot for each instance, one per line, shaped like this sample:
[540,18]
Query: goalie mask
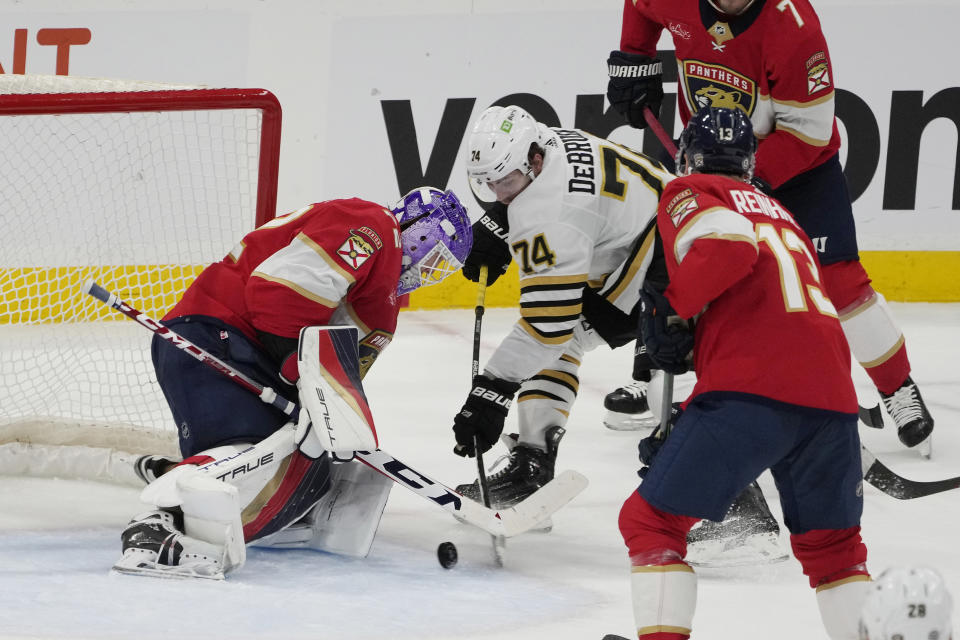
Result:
[907,604]
[717,140]
[435,237]
[499,145]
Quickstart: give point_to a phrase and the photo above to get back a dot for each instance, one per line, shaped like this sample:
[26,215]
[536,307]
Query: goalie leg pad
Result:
[345,520]
[331,394]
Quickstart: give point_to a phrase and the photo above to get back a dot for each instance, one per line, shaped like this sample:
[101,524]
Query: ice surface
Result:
[58,538]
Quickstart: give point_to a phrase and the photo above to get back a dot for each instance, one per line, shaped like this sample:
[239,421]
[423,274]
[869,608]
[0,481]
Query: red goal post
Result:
[139,186]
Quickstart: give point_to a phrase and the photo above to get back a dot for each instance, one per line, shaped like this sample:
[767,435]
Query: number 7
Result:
[783,5]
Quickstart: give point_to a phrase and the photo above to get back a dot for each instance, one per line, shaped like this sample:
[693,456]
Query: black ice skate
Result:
[906,407]
[528,468]
[748,534]
[153,543]
[627,408]
[149,468]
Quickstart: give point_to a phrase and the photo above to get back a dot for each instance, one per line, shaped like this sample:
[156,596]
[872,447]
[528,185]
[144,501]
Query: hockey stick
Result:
[659,131]
[506,522]
[499,542]
[871,417]
[896,486]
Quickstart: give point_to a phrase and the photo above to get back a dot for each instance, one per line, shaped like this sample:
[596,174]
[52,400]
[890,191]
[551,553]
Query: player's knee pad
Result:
[646,529]
[830,555]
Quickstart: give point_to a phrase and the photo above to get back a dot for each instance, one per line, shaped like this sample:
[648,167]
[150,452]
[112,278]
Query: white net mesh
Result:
[139,201]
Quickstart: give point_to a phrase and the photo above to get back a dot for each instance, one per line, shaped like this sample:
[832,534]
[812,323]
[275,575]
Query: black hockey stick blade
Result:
[896,486]
[872,417]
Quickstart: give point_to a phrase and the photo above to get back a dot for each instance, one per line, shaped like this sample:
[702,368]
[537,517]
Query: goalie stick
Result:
[505,522]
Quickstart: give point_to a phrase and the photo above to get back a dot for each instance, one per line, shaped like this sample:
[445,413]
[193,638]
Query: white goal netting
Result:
[138,186]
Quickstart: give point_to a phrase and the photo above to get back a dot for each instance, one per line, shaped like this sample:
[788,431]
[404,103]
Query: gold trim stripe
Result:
[307,240]
[562,339]
[252,510]
[295,287]
[627,279]
[855,578]
[886,356]
[662,568]
[541,281]
[573,309]
[813,142]
[663,628]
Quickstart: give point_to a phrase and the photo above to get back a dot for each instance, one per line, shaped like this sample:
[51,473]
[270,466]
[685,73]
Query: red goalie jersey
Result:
[772,61]
[767,327]
[334,262]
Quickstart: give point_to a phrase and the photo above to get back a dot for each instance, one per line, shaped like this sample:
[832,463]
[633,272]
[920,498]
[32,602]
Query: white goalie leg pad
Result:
[346,519]
[211,510]
[664,598]
[870,330]
[331,394]
[840,604]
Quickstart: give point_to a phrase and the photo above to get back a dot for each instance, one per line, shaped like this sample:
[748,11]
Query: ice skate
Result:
[627,408]
[154,544]
[527,469]
[149,468]
[906,407]
[749,534]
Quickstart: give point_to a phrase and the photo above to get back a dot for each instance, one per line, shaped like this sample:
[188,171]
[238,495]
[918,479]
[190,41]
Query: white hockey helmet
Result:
[500,144]
[907,603]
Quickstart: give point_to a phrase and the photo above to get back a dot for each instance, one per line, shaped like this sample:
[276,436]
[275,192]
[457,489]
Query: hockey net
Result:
[139,186]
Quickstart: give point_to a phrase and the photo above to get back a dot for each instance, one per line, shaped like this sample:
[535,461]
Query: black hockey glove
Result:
[636,81]
[489,245]
[483,414]
[667,337]
[761,185]
[649,447]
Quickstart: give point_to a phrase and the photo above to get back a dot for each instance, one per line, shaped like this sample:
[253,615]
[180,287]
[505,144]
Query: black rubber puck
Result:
[447,555]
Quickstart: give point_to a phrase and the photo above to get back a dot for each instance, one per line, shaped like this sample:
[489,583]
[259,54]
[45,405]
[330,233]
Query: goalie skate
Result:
[153,545]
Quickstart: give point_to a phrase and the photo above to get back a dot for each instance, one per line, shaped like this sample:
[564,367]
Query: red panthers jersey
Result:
[771,61]
[334,262]
[767,328]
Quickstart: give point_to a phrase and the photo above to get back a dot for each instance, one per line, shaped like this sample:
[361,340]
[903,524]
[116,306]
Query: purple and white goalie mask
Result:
[435,236]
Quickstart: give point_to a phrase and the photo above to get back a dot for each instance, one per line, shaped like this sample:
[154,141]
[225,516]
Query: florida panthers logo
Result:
[712,85]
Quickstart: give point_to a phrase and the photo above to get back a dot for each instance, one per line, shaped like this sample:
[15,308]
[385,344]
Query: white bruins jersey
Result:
[588,219]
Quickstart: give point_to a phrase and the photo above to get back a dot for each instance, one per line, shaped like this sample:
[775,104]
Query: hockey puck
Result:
[447,555]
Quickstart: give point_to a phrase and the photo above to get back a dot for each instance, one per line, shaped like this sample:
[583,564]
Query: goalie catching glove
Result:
[667,337]
[636,81]
[483,414]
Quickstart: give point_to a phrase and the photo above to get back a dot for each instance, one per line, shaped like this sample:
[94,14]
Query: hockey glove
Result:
[649,447]
[636,81]
[483,414]
[667,337]
[489,245]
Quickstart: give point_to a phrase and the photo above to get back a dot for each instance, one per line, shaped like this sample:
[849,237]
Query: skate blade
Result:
[926,448]
[166,572]
[630,421]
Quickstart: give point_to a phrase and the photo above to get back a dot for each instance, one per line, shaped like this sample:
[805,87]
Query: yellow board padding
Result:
[914,276]
[53,294]
[907,276]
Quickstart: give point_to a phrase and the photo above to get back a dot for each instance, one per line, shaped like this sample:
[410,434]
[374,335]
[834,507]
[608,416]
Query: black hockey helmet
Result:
[717,140]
